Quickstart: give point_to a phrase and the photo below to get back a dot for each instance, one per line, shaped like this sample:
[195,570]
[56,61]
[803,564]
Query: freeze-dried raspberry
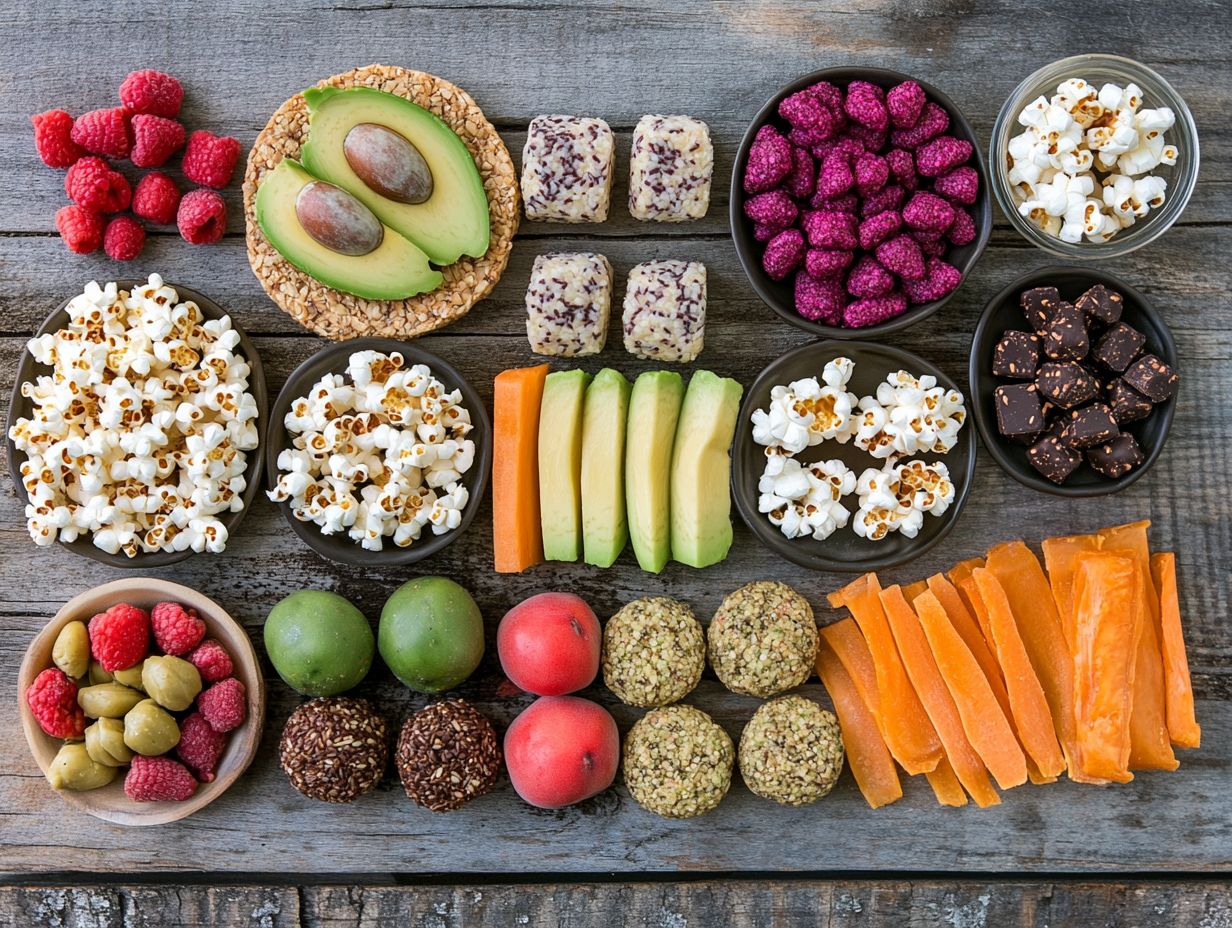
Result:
[200,746]
[869,140]
[933,121]
[890,197]
[158,779]
[201,217]
[770,161]
[826,262]
[820,300]
[784,253]
[176,630]
[827,93]
[224,704]
[905,104]
[151,92]
[962,230]
[155,139]
[93,185]
[156,199]
[123,239]
[764,233]
[103,132]
[802,181]
[209,159]
[902,166]
[875,310]
[876,229]
[869,279]
[940,280]
[847,203]
[53,139]
[942,155]
[901,255]
[81,229]
[120,637]
[928,212]
[866,105]
[52,699]
[961,185]
[835,177]
[773,208]
[872,172]
[804,110]
[831,230]
[211,660]
[813,138]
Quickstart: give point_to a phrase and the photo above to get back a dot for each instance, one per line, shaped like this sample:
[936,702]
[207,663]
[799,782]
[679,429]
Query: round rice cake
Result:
[339,315]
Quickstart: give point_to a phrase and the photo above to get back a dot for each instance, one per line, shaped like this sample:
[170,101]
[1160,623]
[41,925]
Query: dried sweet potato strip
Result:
[1060,557]
[946,786]
[852,650]
[1178,691]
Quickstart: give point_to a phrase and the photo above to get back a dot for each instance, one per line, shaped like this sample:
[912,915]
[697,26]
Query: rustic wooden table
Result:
[1153,852]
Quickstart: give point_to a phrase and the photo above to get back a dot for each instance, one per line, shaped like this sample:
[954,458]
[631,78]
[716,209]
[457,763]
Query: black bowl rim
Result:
[752,266]
[976,375]
[256,385]
[342,549]
[782,546]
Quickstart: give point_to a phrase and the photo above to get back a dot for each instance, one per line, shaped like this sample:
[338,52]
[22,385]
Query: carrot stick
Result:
[908,733]
[852,650]
[984,723]
[1060,559]
[867,754]
[947,787]
[1182,723]
[517,536]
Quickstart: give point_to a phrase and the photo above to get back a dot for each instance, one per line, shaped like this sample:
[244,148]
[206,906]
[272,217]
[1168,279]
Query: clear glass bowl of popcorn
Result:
[1096,170]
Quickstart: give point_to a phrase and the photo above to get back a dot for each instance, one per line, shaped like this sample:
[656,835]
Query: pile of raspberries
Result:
[144,130]
[860,198]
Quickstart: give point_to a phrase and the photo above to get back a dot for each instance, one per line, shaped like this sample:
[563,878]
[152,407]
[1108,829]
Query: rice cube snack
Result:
[567,169]
[670,168]
[665,310]
[568,304]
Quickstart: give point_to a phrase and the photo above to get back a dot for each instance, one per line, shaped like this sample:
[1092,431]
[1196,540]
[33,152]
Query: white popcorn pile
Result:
[804,413]
[1080,169]
[804,500]
[909,415]
[378,453]
[138,435]
[897,497]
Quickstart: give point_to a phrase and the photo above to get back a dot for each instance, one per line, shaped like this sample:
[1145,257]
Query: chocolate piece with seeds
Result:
[1115,458]
[1065,336]
[1039,305]
[1089,426]
[1101,305]
[1018,409]
[1066,383]
[1128,405]
[1017,355]
[1118,346]
[1053,459]
[1154,379]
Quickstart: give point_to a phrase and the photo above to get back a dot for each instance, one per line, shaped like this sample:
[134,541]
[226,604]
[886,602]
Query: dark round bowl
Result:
[20,406]
[340,547]
[844,550]
[1003,313]
[778,294]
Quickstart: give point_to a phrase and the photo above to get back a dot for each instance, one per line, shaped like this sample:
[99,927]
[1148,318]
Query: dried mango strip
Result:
[1060,558]
[1178,690]
[946,786]
[852,650]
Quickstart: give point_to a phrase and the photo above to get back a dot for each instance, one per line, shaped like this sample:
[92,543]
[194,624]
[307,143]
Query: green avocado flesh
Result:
[394,270]
[453,221]
[701,470]
[605,528]
[654,408]
[560,464]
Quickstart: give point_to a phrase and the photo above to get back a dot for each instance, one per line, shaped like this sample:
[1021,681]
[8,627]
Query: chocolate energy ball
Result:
[791,751]
[654,651]
[763,639]
[678,762]
[334,749]
[447,755]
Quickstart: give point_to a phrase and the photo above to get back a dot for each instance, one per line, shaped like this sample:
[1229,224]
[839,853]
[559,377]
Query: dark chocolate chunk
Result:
[1101,304]
[1152,378]
[1066,383]
[1053,459]
[1065,336]
[1128,405]
[1016,356]
[1018,409]
[1089,426]
[1118,346]
[1038,306]
[1117,457]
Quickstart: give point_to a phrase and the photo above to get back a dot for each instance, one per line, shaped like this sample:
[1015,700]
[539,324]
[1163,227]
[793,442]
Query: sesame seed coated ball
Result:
[763,639]
[334,749]
[678,762]
[447,755]
[654,651]
[791,751]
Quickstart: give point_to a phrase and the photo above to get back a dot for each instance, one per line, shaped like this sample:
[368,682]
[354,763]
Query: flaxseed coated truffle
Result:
[654,651]
[791,751]
[334,749]
[447,755]
[678,762]
[763,639]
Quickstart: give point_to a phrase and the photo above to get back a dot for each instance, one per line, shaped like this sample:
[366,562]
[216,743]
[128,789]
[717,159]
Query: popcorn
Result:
[805,413]
[803,500]
[909,415]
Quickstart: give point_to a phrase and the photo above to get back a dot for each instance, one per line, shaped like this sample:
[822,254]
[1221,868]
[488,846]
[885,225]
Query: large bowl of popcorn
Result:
[1093,156]
[135,423]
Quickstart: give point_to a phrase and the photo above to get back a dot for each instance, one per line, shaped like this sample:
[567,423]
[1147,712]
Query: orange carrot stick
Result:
[852,650]
[1060,559]
[1182,723]
[946,785]
[517,536]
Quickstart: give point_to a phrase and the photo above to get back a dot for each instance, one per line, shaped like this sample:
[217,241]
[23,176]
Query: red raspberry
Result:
[202,217]
[120,637]
[155,139]
[93,185]
[200,746]
[176,629]
[52,697]
[104,132]
[209,159]
[158,779]
[81,229]
[151,92]
[224,704]
[53,139]
[156,198]
[211,660]
[124,238]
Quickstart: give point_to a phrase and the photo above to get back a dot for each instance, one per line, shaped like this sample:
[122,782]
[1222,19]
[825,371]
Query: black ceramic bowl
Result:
[340,547]
[778,294]
[1003,313]
[20,406]
[844,550]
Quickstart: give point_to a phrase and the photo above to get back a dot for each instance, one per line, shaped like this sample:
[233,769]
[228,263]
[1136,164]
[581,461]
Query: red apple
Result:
[561,750]
[549,644]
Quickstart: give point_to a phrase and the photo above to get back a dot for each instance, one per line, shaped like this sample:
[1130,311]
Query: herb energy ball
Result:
[334,749]
[447,755]
[654,651]
[763,639]
[791,751]
[678,762]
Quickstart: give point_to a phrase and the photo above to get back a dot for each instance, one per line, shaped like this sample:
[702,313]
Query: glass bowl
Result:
[1099,70]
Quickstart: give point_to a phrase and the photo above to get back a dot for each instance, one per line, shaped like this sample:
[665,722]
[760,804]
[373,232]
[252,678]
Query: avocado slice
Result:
[453,220]
[560,464]
[701,470]
[393,270]
[654,409]
[605,528]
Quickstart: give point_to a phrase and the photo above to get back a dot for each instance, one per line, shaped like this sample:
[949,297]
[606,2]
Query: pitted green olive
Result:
[107,700]
[73,768]
[105,743]
[150,730]
[171,682]
[71,652]
[99,675]
[131,677]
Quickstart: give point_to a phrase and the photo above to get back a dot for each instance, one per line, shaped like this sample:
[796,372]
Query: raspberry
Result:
[104,132]
[124,238]
[200,746]
[210,159]
[176,630]
[158,779]
[156,199]
[81,229]
[155,139]
[120,637]
[93,185]
[211,660]
[224,704]
[202,217]
[151,92]
[52,697]
[53,140]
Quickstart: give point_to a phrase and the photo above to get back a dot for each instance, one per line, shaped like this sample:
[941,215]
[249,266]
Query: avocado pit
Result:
[388,163]
[336,220]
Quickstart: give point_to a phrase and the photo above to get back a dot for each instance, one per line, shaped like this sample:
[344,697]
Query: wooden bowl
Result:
[110,802]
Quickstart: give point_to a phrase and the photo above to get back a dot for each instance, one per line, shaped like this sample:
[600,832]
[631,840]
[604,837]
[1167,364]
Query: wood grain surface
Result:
[718,61]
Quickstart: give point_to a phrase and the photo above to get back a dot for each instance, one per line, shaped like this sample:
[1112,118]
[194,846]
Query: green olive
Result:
[171,682]
[71,652]
[131,677]
[107,700]
[105,743]
[99,675]
[150,730]
[73,768]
